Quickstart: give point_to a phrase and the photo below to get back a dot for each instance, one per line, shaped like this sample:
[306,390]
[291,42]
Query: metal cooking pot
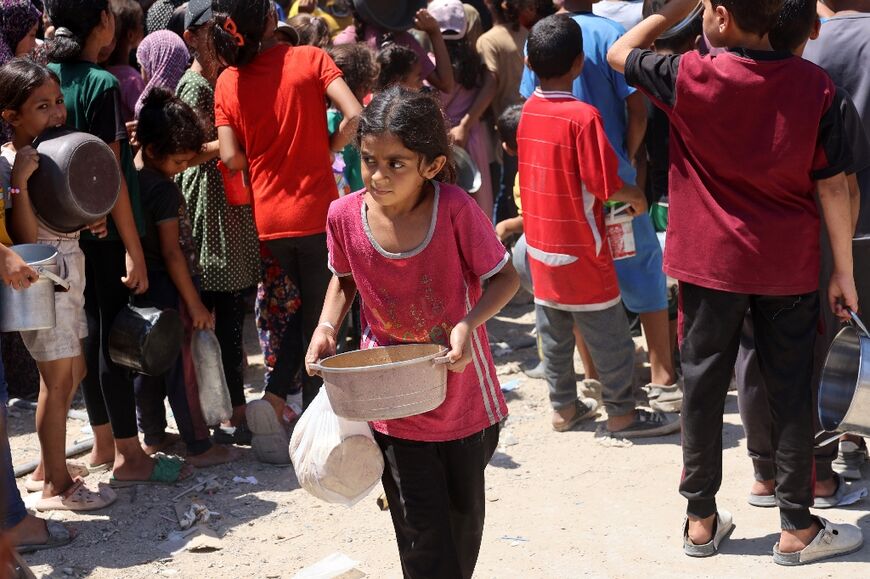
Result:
[651,7]
[844,387]
[78,180]
[467,174]
[146,340]
[32,308]
[394,15]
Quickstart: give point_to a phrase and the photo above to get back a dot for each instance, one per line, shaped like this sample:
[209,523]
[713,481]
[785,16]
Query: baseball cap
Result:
[198,13]
[451,18]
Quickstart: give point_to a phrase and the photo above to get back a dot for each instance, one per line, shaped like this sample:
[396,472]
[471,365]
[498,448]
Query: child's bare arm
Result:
[339,297]
[513,226]
[633,196]
[637,121]
[342,97]
[122,214]
[480,105]
[210,150]
[500,288]
[645,33]
[179,272]
[442,77]
[14,271]
[836,204]
[230,150]
[23,225]
[854,199]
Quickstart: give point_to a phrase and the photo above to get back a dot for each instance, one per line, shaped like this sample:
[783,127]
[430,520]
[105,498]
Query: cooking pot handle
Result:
[57,280]
[857,321]
[828,441]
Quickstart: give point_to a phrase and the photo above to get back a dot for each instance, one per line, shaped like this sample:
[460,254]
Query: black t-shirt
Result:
[163,202]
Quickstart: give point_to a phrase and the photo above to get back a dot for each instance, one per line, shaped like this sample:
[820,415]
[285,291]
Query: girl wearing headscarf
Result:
[163,57]
[19,20]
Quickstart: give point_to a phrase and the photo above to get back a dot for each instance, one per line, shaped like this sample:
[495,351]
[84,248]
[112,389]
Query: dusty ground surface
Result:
[560,505]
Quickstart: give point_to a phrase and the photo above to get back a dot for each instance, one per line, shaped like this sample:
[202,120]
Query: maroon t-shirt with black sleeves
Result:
[751,132]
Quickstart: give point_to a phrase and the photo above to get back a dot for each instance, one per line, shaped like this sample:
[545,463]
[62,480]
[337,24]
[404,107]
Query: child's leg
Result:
[556,332]
[150,410]
[55,385]
[436,497]
[609,341]
[754,411]
[784,337]
[589,369]
[711,321]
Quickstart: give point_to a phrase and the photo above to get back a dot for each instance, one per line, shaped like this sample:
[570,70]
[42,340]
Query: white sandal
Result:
[833,540]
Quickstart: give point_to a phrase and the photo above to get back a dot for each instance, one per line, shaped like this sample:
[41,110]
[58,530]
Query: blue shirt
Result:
[599,85]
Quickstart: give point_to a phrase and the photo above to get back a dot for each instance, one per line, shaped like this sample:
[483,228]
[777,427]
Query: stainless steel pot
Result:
[653,6]
[32,308]
[146,340]
[78,180]
[467,173]
[394,15]
[844,387]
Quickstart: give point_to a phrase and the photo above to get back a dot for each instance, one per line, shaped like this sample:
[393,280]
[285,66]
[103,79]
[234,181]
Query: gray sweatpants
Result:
[609,341]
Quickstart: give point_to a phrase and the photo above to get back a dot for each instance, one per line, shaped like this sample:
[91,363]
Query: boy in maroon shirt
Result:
[744,236]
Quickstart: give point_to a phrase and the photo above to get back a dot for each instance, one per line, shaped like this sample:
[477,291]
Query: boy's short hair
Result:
[357,63]
[756,16]
[794,24]
[508,123]
[554,44]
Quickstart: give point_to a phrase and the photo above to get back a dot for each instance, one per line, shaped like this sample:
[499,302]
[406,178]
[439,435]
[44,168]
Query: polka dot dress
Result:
[225,235]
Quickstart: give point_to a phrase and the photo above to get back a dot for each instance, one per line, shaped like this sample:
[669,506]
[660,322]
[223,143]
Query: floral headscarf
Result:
[17,17]
[163,57]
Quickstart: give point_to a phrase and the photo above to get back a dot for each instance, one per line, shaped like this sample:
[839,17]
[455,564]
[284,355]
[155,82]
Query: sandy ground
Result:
[560,505]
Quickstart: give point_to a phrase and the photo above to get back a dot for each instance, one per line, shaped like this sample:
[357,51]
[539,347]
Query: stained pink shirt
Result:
[418,296]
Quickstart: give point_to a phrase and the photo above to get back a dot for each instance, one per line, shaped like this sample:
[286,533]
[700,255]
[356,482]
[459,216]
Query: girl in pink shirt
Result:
[418,249]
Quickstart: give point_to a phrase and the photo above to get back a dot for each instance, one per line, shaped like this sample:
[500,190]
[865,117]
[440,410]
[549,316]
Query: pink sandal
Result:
[78,498]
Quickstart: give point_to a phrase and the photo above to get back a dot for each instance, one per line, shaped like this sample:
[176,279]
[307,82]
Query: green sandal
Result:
[167,471]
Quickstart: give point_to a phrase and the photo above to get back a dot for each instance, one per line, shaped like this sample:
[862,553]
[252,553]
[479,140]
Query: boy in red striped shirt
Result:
[567,170]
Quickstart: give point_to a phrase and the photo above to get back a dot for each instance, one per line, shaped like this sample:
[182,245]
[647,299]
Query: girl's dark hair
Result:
[357,64]
[239,29]
[395,63]
[312,31]
[508,11]
[74,20]
[18,79]
[416,119]
[168,125]
[128,17]
[466,61]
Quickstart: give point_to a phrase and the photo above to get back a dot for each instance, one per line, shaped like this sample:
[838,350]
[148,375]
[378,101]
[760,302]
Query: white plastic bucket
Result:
[620,235]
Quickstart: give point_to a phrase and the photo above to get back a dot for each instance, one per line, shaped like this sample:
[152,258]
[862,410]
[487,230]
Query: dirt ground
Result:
[559,506]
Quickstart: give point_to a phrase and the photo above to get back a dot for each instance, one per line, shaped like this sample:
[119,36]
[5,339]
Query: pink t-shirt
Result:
[418,296]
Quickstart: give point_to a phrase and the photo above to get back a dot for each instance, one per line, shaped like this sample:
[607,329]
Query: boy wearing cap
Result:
[743,236]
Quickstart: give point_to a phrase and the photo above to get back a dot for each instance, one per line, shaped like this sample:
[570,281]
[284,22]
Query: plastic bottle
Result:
[214,395]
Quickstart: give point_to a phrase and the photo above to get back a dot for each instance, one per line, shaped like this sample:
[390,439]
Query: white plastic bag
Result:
[336,460]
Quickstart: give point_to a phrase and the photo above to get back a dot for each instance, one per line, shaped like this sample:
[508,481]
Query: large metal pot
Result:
[653,6]
[395,15]
[467,173]
[844,387]
[32,308]
[78,180]
[146,340]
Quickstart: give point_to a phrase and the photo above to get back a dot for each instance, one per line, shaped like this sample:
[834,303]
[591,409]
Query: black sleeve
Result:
[833,155]
[856,136]
[653,73]
[107,117]
[162,203]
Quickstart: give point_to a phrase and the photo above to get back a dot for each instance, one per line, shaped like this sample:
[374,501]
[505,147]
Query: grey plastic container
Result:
[214,394]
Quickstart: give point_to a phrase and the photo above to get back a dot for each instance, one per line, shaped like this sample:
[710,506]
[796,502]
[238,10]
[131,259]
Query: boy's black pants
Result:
[785,334]
[437,503]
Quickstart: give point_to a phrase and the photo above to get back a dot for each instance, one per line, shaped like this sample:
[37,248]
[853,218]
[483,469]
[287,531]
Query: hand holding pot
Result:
[137,276]
[459,355]
[842,295]
[14,271]
[26,163]
[201,317]
[100,228]
[323,344]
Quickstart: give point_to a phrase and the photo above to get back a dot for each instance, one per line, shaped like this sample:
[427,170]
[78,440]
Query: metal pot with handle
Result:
[78,180]
[30,309]
[396,16]
[651,7]
[146,340]
[844,386]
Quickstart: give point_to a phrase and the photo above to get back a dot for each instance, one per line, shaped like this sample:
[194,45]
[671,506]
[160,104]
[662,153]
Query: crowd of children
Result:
[302,154]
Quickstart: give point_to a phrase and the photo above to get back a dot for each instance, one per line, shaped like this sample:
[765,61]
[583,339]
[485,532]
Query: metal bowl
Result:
[395,15]
[651,7]
[467,174]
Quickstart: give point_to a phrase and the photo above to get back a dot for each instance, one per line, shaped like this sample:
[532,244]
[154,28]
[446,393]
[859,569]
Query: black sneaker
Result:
[648,425]
[239,435]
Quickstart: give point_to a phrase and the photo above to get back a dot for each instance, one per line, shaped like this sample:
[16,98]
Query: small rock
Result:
[68,571]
